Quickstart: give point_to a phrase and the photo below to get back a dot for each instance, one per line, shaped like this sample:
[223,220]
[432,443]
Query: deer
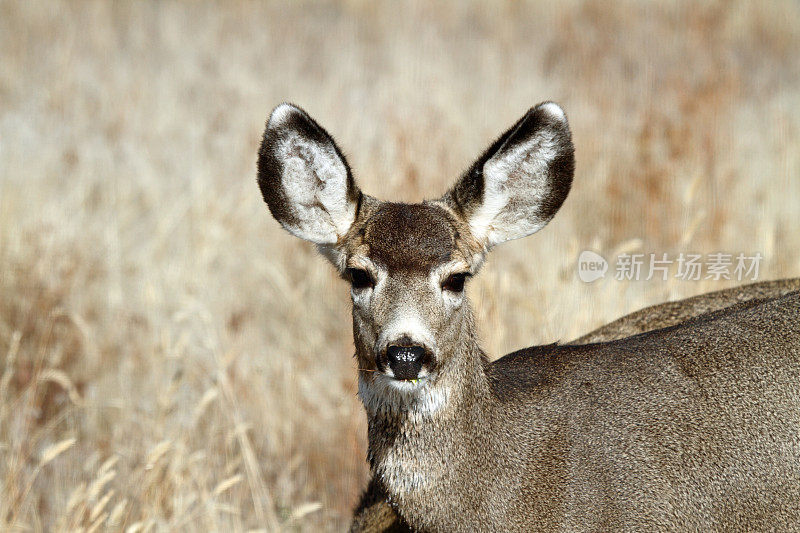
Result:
[693,426]
[375,514]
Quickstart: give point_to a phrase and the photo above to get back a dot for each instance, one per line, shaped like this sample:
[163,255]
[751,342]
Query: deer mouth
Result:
[407,385]
[407,375]
[412,381]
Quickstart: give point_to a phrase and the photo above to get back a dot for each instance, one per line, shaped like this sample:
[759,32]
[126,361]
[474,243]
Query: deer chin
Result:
[381,393]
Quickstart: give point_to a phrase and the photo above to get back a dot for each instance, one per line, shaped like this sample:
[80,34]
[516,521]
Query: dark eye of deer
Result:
[360,278]
[455,282]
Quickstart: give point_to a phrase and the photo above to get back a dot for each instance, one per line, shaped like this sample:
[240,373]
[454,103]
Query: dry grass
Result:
[171,360]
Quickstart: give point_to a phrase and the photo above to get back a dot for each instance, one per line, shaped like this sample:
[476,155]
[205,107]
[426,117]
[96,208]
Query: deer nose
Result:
[405,361]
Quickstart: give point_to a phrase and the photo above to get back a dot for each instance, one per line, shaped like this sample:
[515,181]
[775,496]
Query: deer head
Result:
[407,264]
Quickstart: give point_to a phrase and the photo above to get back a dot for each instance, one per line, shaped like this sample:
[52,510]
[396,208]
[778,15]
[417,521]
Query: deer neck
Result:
[419,438]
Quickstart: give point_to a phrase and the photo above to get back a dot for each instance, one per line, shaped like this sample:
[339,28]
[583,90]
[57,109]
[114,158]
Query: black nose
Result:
[405,361]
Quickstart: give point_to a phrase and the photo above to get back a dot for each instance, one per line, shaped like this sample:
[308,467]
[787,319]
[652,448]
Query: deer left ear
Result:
[305,179]
[518,184]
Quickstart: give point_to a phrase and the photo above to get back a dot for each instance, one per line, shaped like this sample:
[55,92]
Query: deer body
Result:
[672,313]
[648,433]
[375,513]
[696,426]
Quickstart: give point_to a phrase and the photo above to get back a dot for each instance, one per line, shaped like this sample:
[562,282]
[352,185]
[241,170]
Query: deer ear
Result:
[518,184]
[304,177]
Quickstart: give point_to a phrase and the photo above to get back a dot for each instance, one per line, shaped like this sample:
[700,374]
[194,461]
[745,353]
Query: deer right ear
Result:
[519,183]
[305,179]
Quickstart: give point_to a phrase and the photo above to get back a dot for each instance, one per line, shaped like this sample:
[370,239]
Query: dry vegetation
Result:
[170,359]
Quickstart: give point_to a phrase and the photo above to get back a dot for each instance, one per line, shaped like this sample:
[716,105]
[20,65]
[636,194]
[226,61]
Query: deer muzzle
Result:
[405,361]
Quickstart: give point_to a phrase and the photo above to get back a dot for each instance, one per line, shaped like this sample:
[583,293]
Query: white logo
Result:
[591,266]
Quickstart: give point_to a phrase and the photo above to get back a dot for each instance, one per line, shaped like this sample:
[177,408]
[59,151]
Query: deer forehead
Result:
[410,238]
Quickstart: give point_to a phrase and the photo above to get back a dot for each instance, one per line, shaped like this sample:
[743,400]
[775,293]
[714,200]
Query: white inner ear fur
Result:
[314,180]
[516,181]
[280,114]
[554,110]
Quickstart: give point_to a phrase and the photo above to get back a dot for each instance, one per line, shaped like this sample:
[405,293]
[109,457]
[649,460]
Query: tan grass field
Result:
[171,360]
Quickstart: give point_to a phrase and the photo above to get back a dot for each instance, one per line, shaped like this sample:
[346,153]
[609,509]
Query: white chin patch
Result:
[383,394]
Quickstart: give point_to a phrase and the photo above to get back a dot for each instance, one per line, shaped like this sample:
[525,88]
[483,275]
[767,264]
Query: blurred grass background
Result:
[172,360]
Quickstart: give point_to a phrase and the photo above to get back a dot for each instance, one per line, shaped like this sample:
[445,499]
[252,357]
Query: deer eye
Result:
[455,282]
[360,278]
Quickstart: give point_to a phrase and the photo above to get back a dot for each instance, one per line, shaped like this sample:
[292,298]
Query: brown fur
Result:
[672,313]
[690,427]
[409,237]
[375,514]
[653,432]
